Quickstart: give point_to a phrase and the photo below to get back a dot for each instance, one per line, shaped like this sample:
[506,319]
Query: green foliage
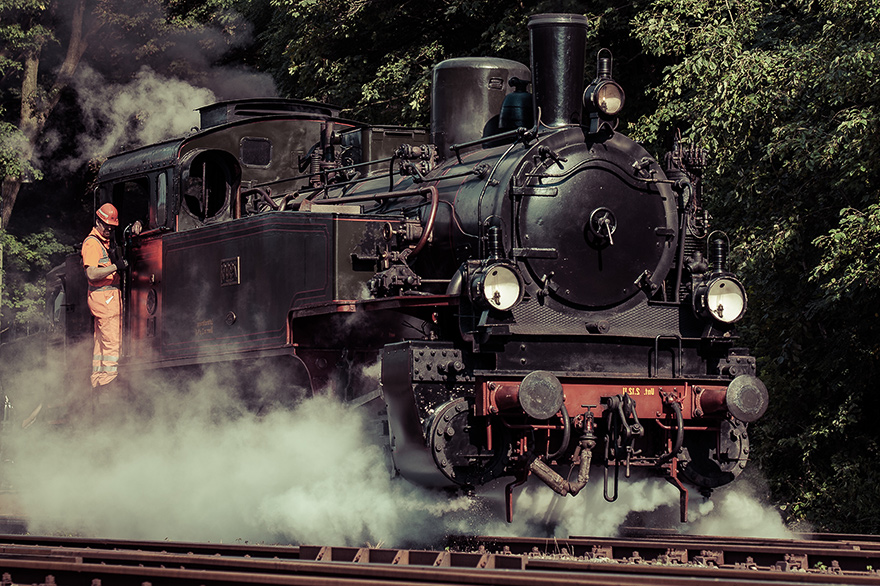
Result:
[43,45]
[26,262]
[11,163]
[785,97]
[375,58]
[21,29]
[173,37]
[850,266]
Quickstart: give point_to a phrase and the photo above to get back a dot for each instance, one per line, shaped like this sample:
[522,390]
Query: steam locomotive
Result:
[542,294]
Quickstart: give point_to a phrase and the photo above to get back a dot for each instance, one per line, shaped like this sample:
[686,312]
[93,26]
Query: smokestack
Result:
[558,43]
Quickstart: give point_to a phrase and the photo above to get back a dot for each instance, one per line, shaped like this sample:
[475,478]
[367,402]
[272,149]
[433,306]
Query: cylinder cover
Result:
[747,398]
[452,432]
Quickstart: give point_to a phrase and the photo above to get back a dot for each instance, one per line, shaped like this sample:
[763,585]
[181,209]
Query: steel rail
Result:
[730,552]
[72,572]
[72,561]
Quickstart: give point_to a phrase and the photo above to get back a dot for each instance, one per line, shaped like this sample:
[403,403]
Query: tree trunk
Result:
[11,185]
[31,123]
[36,107]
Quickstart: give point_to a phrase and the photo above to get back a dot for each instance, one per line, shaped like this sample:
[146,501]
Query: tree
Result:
[44,45]
[26,34]
[375,58]
[786,97]
[28,261]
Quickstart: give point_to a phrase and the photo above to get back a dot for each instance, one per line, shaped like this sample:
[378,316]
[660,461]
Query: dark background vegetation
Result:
[783,94]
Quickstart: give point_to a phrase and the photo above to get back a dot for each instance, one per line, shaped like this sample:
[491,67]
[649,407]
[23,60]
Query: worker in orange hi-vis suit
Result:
[105,296]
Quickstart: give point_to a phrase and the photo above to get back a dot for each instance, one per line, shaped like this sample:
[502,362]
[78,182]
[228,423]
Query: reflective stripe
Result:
[101,363]
[106,307]
[105,368]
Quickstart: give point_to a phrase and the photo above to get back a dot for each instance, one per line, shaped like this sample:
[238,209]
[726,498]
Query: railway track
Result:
[652,560]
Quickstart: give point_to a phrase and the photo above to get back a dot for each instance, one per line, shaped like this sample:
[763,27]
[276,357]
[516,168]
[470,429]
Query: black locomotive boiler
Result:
[544,296]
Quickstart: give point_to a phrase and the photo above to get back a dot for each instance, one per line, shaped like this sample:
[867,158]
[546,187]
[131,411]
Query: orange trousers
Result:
[106,306]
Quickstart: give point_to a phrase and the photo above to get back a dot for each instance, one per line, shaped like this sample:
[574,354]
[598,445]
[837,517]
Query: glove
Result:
[121,265]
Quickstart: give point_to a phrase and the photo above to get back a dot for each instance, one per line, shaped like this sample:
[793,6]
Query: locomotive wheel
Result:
[453,438]
[717,459]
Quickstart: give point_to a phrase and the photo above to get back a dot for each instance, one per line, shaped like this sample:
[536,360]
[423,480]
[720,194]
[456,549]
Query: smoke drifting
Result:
[203,469]
[643,501]
[737,511]
[148,109]
[185,461]
[133,91]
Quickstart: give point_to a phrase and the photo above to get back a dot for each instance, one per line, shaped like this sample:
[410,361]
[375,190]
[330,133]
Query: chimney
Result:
[558,44]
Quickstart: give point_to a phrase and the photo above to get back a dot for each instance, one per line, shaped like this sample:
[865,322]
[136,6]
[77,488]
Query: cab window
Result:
[255,152]
[207,185]
[132,198]
[161,199]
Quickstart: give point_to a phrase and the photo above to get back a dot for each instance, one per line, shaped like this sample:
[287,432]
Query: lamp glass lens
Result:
[725,300]
[501,287]
[609,98]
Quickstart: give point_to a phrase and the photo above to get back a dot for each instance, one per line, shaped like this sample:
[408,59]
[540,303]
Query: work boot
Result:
[109,402]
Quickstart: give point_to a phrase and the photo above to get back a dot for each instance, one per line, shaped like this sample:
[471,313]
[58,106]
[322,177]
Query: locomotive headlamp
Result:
[723,298]
[496,286]
[606,97]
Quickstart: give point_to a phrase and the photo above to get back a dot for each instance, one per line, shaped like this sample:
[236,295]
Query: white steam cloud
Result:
[192,473]
[148,109]
[737,512]
[643,501]
[199,468]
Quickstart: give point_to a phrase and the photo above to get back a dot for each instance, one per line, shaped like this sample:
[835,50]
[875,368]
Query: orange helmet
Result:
[107,213]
